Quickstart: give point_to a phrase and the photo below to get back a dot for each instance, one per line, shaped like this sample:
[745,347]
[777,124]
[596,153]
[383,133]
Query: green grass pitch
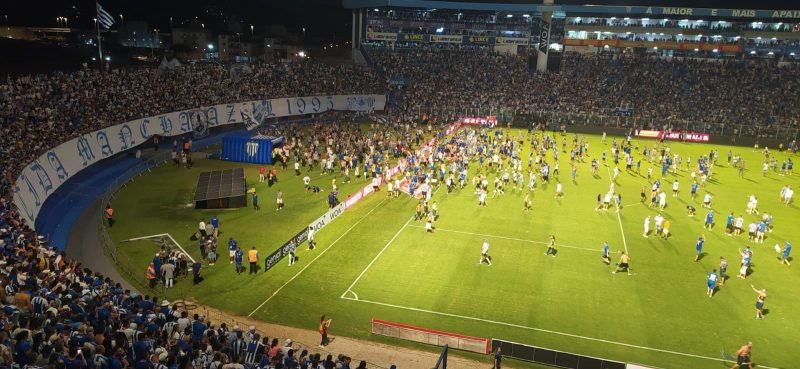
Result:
[375,261]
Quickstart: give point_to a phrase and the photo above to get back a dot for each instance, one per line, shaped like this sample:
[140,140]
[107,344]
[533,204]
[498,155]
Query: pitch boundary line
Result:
[506,238]
[315,259]
[543,330]
[350,289]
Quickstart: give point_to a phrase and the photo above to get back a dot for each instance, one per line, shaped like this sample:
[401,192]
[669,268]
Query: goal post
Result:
[431,337]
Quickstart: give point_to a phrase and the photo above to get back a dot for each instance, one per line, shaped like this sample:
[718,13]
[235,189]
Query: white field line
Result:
[594,339]
[145,237]
[180,247]
[315,259]
[619,219]
[376,258]
[162,235]
[507,238]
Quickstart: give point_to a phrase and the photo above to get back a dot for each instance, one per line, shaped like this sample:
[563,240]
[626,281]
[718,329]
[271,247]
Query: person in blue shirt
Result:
[238,256]
[215,223]
[232,247]
[606,256]
[255,202]
[694,189]
[729,224]
[785,256]
[709,220]
[699,247]
[712,282]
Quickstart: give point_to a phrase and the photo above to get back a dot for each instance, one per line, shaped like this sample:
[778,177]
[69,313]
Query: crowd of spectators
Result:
[730,92]
[58,315]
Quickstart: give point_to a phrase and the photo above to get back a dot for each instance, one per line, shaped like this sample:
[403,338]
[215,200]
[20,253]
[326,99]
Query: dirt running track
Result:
[380,355]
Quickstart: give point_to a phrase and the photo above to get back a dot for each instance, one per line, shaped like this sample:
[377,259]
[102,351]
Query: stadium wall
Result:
[43,176]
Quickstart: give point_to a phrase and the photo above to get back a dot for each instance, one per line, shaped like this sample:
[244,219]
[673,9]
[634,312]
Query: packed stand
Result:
[58,315]
[454,81]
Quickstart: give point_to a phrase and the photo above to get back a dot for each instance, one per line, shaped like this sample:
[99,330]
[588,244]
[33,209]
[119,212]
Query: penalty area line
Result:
[594,339]
[315,259]
[350,289]
[506,238]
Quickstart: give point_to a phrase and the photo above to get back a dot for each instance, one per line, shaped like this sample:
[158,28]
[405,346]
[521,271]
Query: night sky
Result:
[323,19]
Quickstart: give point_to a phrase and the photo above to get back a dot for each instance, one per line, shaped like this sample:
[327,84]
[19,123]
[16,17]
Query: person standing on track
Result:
[498,359]
[109,215]
[324,324]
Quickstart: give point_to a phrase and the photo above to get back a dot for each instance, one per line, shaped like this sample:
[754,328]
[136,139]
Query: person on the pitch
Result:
[485,254]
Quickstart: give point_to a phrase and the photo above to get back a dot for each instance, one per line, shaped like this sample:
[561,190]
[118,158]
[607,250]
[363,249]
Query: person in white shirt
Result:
[646,226]
[307,183]
[662,200]
[311,242]
[738,224]
[675,188]
[201,227]
[707,200]
[659,220]
[485,253]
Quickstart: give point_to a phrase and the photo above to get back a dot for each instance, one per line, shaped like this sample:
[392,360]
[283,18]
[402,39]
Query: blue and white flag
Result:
[247,118]
[103,17]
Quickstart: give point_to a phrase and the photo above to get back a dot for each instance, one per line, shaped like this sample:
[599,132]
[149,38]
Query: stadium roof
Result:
[644,11]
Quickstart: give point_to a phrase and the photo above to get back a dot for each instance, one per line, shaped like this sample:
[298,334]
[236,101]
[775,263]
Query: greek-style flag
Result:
[103,17]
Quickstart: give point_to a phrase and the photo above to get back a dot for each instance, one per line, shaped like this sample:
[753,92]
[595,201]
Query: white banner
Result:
[47,173]
[328,217]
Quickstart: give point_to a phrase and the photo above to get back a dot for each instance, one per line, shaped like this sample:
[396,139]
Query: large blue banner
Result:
[44,175]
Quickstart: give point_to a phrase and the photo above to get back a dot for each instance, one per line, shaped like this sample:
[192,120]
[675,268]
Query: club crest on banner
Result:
[252,148]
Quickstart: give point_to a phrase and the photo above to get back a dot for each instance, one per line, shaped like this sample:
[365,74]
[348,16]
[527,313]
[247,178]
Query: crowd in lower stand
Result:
[59,315]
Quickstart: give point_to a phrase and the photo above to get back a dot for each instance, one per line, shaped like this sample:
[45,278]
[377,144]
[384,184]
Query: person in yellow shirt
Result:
[252,256]
[665,230]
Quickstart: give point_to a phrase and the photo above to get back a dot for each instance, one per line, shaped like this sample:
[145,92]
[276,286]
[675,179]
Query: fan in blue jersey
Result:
[712,282]
[232,246]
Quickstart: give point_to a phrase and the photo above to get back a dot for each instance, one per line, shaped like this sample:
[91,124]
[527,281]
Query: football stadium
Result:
[472,184]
